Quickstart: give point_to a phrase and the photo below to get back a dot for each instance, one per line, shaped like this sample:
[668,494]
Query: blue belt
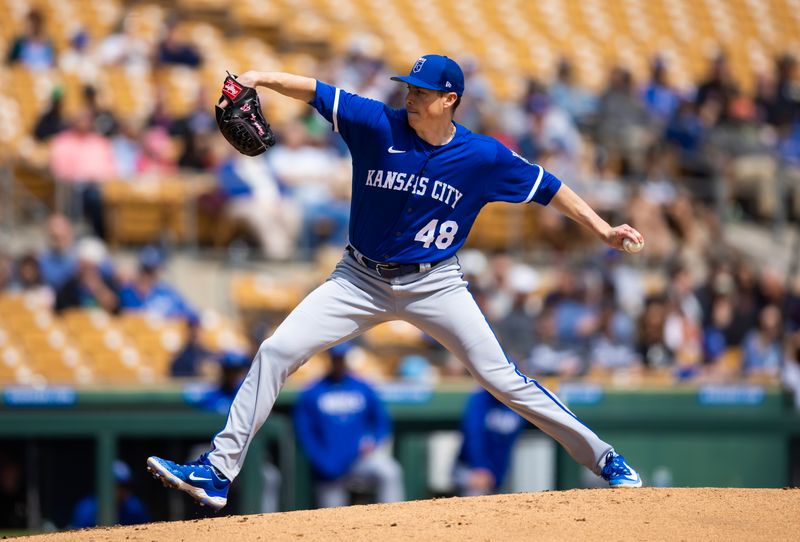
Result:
[390,270]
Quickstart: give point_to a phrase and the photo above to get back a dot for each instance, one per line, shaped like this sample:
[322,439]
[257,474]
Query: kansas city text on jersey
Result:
[403,182]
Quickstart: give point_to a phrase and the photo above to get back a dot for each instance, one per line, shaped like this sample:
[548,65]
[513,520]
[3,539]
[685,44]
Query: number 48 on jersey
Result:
[447,232]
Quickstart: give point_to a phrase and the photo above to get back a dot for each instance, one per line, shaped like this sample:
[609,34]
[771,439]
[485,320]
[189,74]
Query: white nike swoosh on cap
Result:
[194,478]
[392,150]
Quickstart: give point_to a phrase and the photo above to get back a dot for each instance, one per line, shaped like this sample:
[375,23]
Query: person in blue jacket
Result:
[343,427]
[148,292]
[490,429]
[130,508]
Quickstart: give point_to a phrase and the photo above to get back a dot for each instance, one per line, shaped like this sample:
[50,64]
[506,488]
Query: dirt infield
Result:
[607,515]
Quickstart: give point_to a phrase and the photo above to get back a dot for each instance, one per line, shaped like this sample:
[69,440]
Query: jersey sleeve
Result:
[345,111]
[515,180]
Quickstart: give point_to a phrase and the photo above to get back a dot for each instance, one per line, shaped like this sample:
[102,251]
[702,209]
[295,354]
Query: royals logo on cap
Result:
[435,72]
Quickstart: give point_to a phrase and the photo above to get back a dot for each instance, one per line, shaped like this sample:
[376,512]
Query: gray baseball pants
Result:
[353,300]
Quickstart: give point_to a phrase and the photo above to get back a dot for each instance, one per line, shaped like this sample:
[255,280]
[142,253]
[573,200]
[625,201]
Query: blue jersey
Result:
[490,429]
[414,202]
[333,418]
[162,299]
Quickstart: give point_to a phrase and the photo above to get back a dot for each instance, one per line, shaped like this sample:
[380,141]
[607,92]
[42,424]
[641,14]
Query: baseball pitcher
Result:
[419,181]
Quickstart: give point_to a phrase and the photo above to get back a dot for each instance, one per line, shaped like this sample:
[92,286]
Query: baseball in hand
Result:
[631,246]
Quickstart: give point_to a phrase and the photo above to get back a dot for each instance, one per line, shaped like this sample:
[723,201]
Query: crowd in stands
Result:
[645,152]
[72,273]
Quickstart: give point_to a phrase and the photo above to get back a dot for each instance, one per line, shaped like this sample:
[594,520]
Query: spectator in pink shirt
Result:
[82,158]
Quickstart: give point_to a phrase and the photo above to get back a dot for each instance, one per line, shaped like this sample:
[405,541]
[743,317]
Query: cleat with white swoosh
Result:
[197,478]
[618,473]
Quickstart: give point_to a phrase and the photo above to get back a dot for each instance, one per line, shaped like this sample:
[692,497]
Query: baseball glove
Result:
[242,122]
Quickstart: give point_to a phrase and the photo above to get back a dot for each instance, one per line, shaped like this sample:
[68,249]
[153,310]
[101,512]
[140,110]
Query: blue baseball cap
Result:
[122,472]
[233,359]
[435,72]
[341,349]
[150,257]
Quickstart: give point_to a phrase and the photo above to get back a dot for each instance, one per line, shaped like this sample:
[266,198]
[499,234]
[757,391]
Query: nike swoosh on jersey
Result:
[194,478]
[392,150]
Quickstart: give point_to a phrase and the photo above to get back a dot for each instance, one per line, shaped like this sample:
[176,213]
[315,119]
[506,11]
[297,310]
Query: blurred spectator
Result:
[611,349]
[550,131]
[130,508]
[13,498]
[683,333]
[103,120]
[551,356]
[147,292]
[126,145]
[574,310]
[490,430]
[681,290]
[88,287]
[78,59]
[786,108]
[688,132]
[715,334]
[30,281]
[253,196]
[622,122]
[156,152]
[60,260]
[314,177]
[660,99]
[190,358]
[81,158]
[197,131]
[762,346]
[745,301]
[159,116]
[233,368]
[343,428]
[515,328]
[571,97]
[362,68]
[749,168]
[719,282]
[718,86]
[172,50]
[417,369]
[475,103]
[124,47]
[652,345]
[33,47]
[51,122]
[498,291]
[771,287]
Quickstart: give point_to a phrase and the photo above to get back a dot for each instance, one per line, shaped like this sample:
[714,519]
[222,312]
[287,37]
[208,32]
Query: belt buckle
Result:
[379,267]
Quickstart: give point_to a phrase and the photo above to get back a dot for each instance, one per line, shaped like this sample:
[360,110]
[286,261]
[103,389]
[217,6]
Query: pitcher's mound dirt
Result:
[592,514]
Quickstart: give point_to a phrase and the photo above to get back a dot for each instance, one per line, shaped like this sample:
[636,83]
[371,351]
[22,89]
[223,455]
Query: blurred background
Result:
[142,261]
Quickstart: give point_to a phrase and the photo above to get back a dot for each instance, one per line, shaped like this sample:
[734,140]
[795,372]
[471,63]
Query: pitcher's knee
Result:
[275,352]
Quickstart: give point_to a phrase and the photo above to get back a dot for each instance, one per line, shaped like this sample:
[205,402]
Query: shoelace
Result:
[615,466]
[202,460]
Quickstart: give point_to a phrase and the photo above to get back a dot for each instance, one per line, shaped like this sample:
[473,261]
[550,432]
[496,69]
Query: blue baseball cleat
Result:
[197,478]
[618,473]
